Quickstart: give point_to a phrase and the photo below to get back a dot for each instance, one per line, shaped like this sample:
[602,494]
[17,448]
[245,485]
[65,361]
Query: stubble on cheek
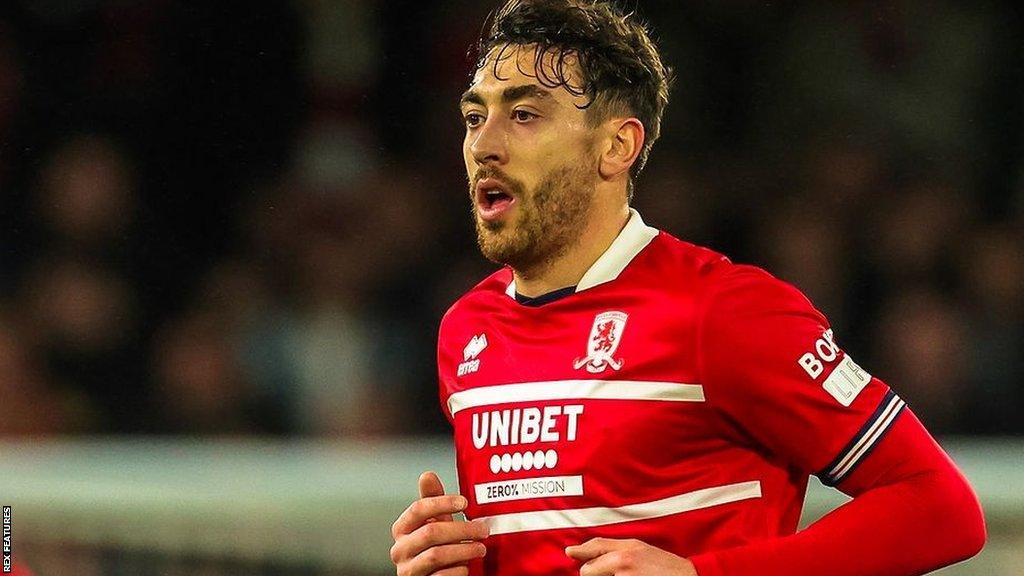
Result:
[548,220]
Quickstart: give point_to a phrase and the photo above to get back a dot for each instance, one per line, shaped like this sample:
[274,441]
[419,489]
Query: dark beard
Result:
[550,219]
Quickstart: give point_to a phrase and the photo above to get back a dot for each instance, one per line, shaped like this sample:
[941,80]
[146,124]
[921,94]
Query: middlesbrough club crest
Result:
[605,335]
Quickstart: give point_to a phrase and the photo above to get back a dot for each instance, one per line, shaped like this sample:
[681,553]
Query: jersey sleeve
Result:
[773,370]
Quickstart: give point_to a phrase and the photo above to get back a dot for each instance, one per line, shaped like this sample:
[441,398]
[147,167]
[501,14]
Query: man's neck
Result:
[569,267]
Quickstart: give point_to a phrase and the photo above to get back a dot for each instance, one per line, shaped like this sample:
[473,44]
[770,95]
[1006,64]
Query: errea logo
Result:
[470,362]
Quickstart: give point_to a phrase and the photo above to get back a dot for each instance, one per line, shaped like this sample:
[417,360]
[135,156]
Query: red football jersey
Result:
[672,396]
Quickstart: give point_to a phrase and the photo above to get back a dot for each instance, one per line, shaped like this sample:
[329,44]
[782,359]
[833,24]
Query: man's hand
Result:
[608,557]
[428,540]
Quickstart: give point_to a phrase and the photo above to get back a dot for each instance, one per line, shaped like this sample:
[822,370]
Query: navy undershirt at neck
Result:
[545,298]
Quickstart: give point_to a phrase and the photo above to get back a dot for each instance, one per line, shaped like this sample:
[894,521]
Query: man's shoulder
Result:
[485,294]
[685,253]
[689,264]
[713,275]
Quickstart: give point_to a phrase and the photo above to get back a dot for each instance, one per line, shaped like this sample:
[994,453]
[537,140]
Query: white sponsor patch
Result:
[846,381]
[526,488]
[599,516]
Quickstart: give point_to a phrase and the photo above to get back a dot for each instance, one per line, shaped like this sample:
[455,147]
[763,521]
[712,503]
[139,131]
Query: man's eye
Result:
[523,116]
[473,119]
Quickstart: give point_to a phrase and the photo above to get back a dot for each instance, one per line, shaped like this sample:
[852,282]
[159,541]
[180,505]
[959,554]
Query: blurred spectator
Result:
[908,69]
[334,337]
[915,232]
[79,292]
[921,344]
[809,247]
[304,325]
[31,406]
[82,322]
[86,197]
[842,174]
[672,197]
[199,382]
[343,49]
[993,261]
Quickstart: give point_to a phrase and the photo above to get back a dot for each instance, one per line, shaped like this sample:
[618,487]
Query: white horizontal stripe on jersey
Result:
[575,389]
[589,517]
[870,437]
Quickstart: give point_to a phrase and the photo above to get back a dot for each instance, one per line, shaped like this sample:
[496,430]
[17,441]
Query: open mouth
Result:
[496,198]
[492,198]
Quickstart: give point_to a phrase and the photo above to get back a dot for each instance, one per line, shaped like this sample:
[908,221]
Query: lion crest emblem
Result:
[605,335]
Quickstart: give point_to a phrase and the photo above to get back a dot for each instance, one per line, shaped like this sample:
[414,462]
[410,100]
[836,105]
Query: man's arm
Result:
[912,512]
[774,369]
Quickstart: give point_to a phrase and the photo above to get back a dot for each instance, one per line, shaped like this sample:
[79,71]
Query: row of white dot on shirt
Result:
[523,461]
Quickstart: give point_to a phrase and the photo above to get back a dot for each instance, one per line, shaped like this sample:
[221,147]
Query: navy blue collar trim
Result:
[545,298]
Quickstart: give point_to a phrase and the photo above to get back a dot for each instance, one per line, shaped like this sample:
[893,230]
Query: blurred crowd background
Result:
[246,218]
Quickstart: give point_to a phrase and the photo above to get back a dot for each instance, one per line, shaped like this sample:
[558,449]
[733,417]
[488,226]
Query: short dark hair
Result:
[619,63]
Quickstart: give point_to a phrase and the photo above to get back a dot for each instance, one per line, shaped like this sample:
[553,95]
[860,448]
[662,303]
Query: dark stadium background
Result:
[244,219]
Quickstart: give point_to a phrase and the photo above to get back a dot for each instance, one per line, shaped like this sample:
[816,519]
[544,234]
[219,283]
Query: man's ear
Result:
[625,141]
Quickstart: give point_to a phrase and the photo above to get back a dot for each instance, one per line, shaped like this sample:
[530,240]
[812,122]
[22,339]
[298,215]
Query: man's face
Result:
[530,159]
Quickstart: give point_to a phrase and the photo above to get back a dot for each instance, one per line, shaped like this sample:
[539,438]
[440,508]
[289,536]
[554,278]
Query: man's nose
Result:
[489,145]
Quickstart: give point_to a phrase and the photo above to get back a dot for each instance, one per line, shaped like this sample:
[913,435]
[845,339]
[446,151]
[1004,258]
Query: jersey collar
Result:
[635,236]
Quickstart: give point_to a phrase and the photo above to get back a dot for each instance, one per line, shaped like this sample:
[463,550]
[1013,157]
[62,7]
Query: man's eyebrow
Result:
[513,93]
[471,97]
[510,94]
